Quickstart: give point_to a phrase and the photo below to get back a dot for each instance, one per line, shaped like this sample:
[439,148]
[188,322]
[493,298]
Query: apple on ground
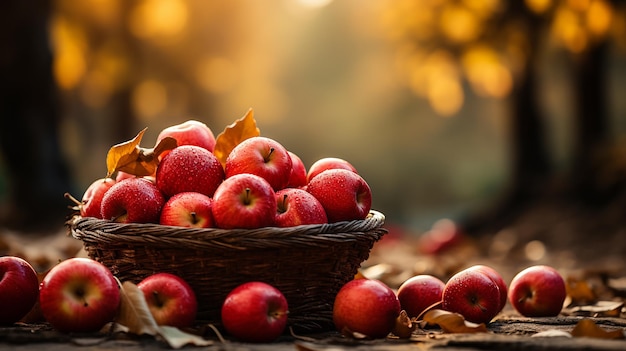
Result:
[244,201]
[366,306]
[261,156]
[472,294]
[171,299]
[538,291]
[133,200]
[327,163]
[19,289]
[92,198]
[297,178]
[344,194]
[296,207]
[190,132]
[188,209]
[420,292]
[255,312]
[443,235]
[497,278]
[79,295]
[189,168]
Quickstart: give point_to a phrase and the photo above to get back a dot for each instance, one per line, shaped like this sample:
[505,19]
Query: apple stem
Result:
[158,301]
[73,199]
[282,206]
[246,200]
[194,217]
[269,155]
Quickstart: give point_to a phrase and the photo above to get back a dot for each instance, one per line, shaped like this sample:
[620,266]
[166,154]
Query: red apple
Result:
[366,306]
[261,156]
[327,163]
[497,278]
[171,299]
[296,207]
[255,312]
[190,132]
[244,201]
[19,289]
[419,292]
[133,200]
[121,175]
[92,198]
[188,209]
[538,291]
[297,178]
[189,168]
[472,294]
[79,295]
[344,194]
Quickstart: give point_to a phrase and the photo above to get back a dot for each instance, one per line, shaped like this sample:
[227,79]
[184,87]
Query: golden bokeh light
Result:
[486,72]
[538,6]
[158,18]
[216,74]
[459,24]
[149,98]
[69,64]
[599,18]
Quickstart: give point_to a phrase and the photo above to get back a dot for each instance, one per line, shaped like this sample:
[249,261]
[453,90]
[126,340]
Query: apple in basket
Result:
[190,132]
[261,156]
[79,295]
[92,198]
[344,194]
[244,201]
[189,168]
[366,306]
[296,207]
[188,209]
[132,200]
[297,178]
[255,312]
[171,299]
[19,289]
[327,163]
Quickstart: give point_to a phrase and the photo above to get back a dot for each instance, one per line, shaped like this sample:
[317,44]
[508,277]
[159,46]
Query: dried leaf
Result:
[598,309]
[451,322]
[129,157]
[240,130]
[134,311]
[404,326]
[177,338]
[588,328]
[579,291]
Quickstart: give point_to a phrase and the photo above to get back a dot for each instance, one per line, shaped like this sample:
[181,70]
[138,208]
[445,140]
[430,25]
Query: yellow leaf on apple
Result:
[235,133]
[129,157]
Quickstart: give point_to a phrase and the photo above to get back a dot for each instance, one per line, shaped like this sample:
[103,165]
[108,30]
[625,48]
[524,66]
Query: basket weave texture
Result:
[308,263]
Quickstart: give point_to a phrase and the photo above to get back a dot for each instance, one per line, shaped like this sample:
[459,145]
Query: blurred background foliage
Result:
[421,96]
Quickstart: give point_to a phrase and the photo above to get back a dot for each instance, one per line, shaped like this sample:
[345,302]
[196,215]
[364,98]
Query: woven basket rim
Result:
[88,229]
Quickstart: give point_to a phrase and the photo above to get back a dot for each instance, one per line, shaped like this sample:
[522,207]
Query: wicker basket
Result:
[308,263]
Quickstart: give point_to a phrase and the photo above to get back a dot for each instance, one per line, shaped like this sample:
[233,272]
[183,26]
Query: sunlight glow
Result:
[156,18]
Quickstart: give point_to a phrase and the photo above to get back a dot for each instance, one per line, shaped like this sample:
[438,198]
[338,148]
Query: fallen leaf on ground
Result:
[404,326]
[451,322]
[588,328]
[598,309]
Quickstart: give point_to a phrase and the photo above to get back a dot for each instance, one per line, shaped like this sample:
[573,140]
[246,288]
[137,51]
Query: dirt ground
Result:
[587,246]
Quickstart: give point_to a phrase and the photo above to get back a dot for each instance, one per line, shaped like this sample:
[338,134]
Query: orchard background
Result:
[506,118]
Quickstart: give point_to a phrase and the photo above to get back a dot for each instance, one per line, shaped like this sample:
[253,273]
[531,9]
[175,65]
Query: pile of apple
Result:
[82,295]
[259,184]
[478,293]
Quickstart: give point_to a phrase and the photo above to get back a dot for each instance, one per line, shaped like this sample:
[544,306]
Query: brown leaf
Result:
[134,311]
[588,328]
[451,322]
[598,309]
[177,338]
[404,326]
[129,157]
[579,291]
[240,130]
